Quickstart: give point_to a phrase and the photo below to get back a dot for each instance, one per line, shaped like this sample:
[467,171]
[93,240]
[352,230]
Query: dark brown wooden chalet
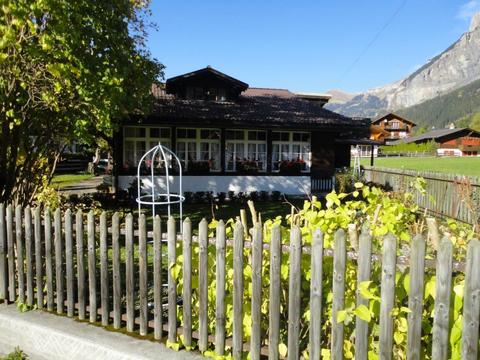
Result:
[451,141]
[233,139]
[396,126]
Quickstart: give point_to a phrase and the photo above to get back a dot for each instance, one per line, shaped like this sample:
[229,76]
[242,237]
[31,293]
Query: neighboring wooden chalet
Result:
[396,126]
[233,138]
[452,142]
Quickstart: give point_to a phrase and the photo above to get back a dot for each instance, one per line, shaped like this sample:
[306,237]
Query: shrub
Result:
[221,197]
[264,195]
[188,197]
[276,195]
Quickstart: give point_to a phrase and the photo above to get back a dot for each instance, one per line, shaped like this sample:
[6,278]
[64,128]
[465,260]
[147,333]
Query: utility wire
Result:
[374,39]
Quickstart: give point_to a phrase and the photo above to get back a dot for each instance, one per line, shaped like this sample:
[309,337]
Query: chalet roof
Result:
[176,81]
[439,134]
[392,115]
[255,111]
[254,91]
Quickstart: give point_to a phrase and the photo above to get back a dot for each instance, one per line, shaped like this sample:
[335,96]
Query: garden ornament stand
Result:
[163,158]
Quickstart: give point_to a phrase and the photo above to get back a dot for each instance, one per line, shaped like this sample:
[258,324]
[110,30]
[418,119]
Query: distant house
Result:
[366,148]
[396,126]
[452,142]
[230,137]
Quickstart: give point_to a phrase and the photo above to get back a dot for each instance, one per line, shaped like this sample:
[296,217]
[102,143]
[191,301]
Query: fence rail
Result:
[85,269]
[453,196]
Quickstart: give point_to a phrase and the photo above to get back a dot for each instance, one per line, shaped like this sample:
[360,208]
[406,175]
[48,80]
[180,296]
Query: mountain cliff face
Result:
[455,67]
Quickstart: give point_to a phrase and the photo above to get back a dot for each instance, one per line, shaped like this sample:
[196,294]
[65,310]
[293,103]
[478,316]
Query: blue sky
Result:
[306,45]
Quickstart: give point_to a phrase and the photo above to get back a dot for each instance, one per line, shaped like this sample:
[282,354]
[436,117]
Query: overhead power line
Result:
[374,39]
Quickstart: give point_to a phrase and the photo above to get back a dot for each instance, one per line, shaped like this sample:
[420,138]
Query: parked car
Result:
[103,167]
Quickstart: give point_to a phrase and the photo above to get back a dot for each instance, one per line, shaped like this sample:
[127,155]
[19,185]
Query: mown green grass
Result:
[62,180]
[469,166]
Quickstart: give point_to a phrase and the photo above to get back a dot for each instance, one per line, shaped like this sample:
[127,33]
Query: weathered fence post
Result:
[3,255]
[274,293]
[11,259]
[142,267]
[157,279]
[471,302]
[415,298]
[48,258]
[316,295]
[294,286]
[129,278]
[339,266]
[117,288]
[220,290]
[389,262]
[172,282]
[187,282]
[238,238]
[29,254]
[443,288]
[59,274]
[20,259]
[69,261]
[92,267]
[257,249]
[79,237]
[203,285]
[104,294]
[38,256]
[363,274]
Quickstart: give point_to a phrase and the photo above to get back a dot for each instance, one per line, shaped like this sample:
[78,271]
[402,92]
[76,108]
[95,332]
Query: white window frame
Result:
[147,139]
[291,143]
[245,142]
[198,149]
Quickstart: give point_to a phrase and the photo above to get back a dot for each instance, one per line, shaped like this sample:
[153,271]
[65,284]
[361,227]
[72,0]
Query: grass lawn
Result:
[62,180]
[469,166]
[228,210]
[268,210]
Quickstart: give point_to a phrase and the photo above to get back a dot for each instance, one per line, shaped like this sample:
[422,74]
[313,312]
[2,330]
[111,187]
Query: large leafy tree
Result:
[68,69]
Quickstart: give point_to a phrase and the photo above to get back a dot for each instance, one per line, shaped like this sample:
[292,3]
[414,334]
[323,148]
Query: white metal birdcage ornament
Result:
[162,158]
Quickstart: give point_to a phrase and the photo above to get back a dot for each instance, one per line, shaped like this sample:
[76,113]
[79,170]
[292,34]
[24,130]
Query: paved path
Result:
[83,187]
[45,336]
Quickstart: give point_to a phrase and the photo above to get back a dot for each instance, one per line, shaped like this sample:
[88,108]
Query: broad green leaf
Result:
[341,316]
[363,313]
[282,349]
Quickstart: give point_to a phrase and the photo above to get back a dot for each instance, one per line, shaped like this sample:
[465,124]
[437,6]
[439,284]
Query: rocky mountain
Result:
[457,107]
[457,66]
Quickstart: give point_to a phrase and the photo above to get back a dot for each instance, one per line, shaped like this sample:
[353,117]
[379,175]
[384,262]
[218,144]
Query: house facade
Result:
[395,126]
[232,138]
[451,142]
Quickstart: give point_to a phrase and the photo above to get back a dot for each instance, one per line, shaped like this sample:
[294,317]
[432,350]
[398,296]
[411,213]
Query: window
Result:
[291,147]
[200,93]
[137,140]
[199,149]
[395,124]
[246,150]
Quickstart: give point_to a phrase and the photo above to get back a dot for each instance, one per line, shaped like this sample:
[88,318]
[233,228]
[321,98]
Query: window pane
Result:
[229,156]
[230,134]
[252,152]
[239,152]
[154,132]
[165,133]
[129,131]
[186,133]
[215,156]
[129,153]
